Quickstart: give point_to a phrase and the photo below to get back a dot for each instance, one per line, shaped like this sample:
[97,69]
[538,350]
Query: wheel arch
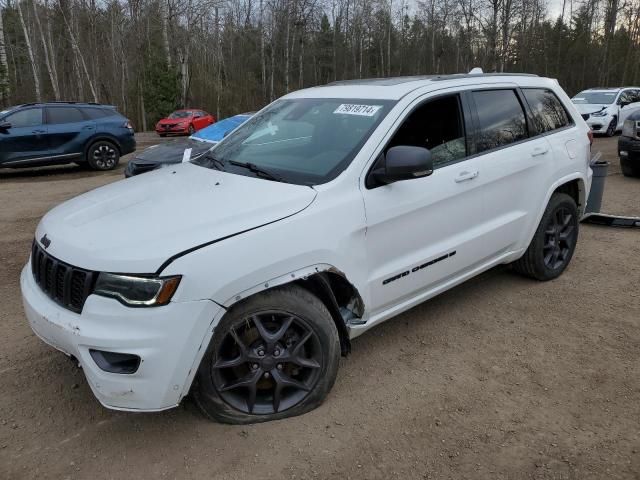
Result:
[102,137]
[329,284]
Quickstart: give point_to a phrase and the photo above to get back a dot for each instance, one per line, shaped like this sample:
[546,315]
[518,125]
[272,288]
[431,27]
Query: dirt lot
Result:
[500,378]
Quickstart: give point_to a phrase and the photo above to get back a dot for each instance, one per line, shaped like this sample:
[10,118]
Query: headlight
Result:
[182,124]
[629,128]
[602,113]
[137,291]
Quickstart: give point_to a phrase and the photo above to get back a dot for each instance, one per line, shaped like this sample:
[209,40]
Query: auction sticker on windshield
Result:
[352,109]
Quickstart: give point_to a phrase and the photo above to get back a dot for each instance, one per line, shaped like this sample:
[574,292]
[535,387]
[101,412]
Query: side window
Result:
[548,112]
[25,118]
[626,97]
[96,113]
[437,125]
[501,117]
[58,115]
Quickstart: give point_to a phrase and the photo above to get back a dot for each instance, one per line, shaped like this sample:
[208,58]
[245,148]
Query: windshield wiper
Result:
[258,170]
[215,162]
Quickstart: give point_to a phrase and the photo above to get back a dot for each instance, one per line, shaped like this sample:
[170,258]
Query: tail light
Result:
[128,125]
[590,135]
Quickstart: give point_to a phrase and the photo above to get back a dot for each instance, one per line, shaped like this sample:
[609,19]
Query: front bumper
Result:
[172,130]
[629,149]
[168,340]
[599,124]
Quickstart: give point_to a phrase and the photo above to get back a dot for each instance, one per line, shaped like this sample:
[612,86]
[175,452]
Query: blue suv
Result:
[37,134]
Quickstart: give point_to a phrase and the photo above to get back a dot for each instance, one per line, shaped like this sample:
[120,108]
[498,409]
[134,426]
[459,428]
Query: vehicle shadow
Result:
[53,172]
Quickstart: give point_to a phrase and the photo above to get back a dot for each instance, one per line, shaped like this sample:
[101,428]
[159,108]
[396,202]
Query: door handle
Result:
[465,176]
[38,131]
[539,151]
[88,127]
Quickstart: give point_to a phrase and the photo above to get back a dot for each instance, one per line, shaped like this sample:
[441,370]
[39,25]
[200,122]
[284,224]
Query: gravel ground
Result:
[499,378]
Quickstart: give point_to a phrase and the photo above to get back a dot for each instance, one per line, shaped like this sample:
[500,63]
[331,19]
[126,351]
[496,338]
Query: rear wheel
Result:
[554,242]
[103,155]
[273,356]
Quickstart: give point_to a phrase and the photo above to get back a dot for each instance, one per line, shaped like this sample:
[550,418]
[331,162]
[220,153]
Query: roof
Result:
[395,88]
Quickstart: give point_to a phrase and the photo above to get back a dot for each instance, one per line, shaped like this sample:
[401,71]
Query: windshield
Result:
[304,141]
[598,98]
[180,114]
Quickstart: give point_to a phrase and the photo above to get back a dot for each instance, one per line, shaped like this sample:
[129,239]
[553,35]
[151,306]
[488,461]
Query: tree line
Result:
[148,57]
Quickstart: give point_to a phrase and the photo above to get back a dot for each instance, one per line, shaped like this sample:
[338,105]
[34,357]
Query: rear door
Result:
[425,233]
[26,139]
[68,130]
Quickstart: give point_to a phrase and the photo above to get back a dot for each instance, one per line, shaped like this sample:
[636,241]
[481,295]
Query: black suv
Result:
[629,146]
[38,134]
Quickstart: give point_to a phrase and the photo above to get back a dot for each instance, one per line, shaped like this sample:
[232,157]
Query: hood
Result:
[172,152]
[135,225]
[589,107]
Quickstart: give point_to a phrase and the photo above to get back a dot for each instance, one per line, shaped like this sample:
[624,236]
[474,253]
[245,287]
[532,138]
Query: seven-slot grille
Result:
[65,284]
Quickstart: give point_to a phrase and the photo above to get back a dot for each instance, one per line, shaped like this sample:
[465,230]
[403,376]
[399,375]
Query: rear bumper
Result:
[167,340]
[128,144]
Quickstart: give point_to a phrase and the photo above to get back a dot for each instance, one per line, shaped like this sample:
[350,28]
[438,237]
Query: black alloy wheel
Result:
[559,238]
[554,241]
[273,355]
[267,363]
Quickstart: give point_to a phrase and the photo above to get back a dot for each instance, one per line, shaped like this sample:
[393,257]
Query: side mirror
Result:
[404,163]
[624,103]
[5,125]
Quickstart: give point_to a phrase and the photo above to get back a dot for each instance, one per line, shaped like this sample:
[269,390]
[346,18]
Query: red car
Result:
[181,122]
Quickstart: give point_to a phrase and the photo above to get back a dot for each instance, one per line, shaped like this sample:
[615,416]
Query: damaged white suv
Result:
[242,276]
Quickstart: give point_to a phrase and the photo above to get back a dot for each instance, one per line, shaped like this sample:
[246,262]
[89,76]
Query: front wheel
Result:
[103,155]
[554,242]
[191,130]
[272,356]
[629,169]
[611,129]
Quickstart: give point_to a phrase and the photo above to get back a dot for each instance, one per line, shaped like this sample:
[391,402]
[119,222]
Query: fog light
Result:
[113,362]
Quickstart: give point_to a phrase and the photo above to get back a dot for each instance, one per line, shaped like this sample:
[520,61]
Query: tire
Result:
[289,374]
[103,155]
[628,169]
[554,242]
[191,130]
[611,129]
[162,135]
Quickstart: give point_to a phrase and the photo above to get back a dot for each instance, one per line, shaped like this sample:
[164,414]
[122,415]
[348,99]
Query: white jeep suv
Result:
[242,276]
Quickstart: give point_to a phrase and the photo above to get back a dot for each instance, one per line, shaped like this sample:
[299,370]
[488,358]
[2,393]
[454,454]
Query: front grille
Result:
[65,284]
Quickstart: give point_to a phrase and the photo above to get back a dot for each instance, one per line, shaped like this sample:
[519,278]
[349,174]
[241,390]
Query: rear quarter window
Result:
[548,112]
[97,113]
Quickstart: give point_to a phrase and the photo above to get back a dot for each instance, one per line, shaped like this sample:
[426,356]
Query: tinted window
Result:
[548,112]
[501,117]
[25,118]
[64,115]
[629,96]
[438,126]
